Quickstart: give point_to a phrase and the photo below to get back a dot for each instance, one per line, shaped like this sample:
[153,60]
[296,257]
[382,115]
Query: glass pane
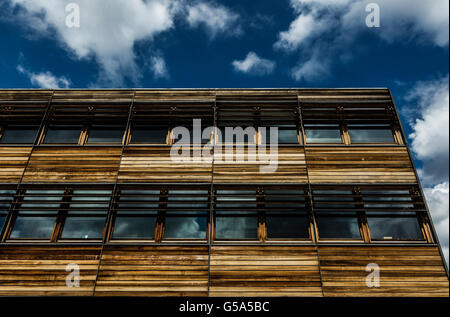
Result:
[323,135]
[19,135]
[33,227]
[338,228]
[2,221]
[153,135]
[287,227]
[134,228]
[371,136]
[105,135]
[83,228]
[385,228]
[236,228]
[287,136]
[185,228]
[60,135]
[50,200]
[236,135]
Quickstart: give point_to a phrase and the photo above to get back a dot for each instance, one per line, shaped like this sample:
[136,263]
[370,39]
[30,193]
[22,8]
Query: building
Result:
[89,184]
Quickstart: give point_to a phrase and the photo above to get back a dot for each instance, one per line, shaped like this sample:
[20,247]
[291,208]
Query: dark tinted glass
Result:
[134,228]
[338,227]
[154,135]
[83,228]
[285,135]
[371,135]
[2,220]
[19,135]
[62,135]
[287,227]
[386,228]
[237,136]
[185,228]
[329,135]
[33,227]
[236,228]
[105,134]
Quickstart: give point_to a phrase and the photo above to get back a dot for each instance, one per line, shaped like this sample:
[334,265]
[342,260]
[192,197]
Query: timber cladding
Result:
[330,168]
[233,271]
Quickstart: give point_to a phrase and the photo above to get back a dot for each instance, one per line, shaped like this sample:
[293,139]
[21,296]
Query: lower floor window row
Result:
[261,214]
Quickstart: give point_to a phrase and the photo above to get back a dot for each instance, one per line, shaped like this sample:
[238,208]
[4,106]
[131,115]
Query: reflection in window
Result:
[33,227]
[338,225]
[236,214]
[335,214]
[105,134]
[86,216]
[186,214]
[69,135]
[83,227]
[18,135]
[286,135]
[149,135]
[185,227]
[136,214]
[374,135]
[323,134]
[404,226]
[236,227]
[135,227]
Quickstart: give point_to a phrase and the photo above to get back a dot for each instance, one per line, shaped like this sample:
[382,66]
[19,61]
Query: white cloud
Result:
[430,137]
[107,33]
[313,69]
[324,30]
[159,67]
[430,144]
[438,202]
[45,79]
[253,64]
[214,17]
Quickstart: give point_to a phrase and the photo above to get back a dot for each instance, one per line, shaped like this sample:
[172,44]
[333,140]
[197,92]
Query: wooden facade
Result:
[123,182]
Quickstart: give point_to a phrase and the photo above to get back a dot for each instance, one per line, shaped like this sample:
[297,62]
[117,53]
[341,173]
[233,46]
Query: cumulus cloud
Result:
[108,33]
[158,67]
[253,64]
[323,30]
[214,17]
[430,136]
[430,144]
[45,79]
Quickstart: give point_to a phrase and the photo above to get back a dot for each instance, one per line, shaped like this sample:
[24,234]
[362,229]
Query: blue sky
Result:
[234,44]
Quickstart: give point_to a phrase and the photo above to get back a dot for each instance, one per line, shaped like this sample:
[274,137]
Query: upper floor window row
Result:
[166,135]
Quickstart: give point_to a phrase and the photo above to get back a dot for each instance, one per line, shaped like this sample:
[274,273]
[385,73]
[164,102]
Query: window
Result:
[236,135]
[286,135]
[370,134]
[86,215]
[6,199]
[392,214]
[37,214]
[136,214]
[323,133]
[286,214]
[105,134]
[403,226]
[19,135]
[236,216]
[61,214]
[186,214]
[60,134]
[149,135]
[336,216]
